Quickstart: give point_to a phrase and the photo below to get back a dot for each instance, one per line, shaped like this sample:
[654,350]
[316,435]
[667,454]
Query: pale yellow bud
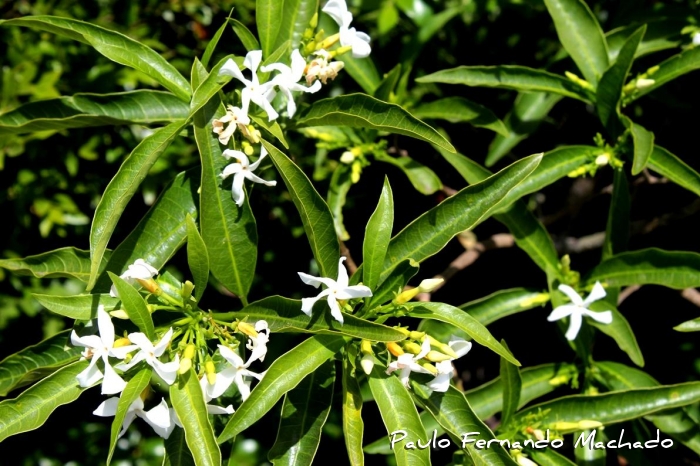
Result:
[367,363]
[185,366]
[428,285]
[347,157]
[644,83]
[119,314]
[436,356]
[411,347]
[602,159]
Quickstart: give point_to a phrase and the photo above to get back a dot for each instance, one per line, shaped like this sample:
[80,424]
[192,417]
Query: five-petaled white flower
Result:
[408,363]
[150,354]
[579,308]
[441,382]
[260,94]
[157,417]
[102,346]
[287,80]
[359,41]
[236,118]
[336,289]
[241,171]
[140,270]
[232,374]
[258,345]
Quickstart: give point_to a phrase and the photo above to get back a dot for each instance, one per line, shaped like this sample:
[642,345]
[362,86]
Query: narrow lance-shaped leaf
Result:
[63,262]
[689,326]
[512,385]
[176,451]
[79,307]
[503,303]
[364,111]
[377,237]
[314,212]
[31,408]
[135,306]
[210,85]
[421,177]
[113,45]
[618,227]
[188,400]
[619,329]
[391,285]
[549,457]
[341,182]
[668,70]
[519,78]
[294,20]
[581,36]
[353,426]
[132,391]
[304,412]
[458,110]
[35,362]
[283,375]
[211,46]
[643,141]
[122,187]
[386,87]
[197,258]
[673,168]
[267,17]
[247,38]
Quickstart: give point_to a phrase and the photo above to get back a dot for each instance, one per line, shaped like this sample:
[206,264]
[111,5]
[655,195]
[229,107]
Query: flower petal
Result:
[167,371]
[459,345]
[122,351]
[562,311]
[342,281]
[257,179]
[236,154]
[224,379]
[231,169]
[112,383]
[252,61]
[231,69]
[91,375]
[597,293]
[163,343]
[315,281]
[104,323]
[571,293]
[232,357]
[263,154]
[142,341]
[213,409]
[336,9]
[335,308]
[605,317]
[355,291]
[237,191]
[424,349]
[243,387]
[88,341]
[125,366]
[107,408]
[574,326]
[440,383]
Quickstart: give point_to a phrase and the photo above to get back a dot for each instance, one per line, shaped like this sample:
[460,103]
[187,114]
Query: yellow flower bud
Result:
[366,347]
[418,336]
[426,365]
[565,427]
[411,347]
[341,50]
[121,342]
[327,42]
[314,21]
[245,327]
[406,296]
[436,356]
[189,351]
[151,286]
[210,371]
[394,348]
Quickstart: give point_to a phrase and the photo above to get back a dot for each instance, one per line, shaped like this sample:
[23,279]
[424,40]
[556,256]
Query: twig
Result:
[692,295]
[344,251]
[624,294]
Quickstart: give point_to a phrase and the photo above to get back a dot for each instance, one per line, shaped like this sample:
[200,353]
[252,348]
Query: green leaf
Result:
[283,375]
[210,85]
[248,39]
[176,451]
[79,307]
[688,326]
[673,269]
[463,321]
[377,237]
[643,141]
[161,232]
[294,20]
[314,212]
[421,177]
[617,230]
[668,70]
[487,400]
[229,232]
[63,262]
[581,36]
[36,362]
[304,412]
[519,78]
[549,457]
[609,89]
[113,45]
[433,24]
[341,182]
[673,168]
[529,109]
[430,232]
[453,412]
[619,329]
[353,427]
[386,88]
[512,386]
[363,71]
[211,45]
[503,303]
[135,306]
[364,111]
[122,187]
[268,14]
[662,34]
[399,414]
[84,110]
[188,400]
[197,258]
[33,406]
[392,285]
[284,315]
[458,110]
[272,127]
[613,407]
[132,391]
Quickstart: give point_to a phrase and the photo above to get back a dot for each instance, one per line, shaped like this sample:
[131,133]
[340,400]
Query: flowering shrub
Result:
[143,335]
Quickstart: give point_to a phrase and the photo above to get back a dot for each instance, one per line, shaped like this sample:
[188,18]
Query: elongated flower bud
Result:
[394,349]
[436,356]
[411,347]
[210,370]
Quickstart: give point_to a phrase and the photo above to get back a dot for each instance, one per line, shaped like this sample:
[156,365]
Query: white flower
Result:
[241,171]
[321,69]
[157,417]
[101,347]
[287,80]
[140,269]
[578,308]
[408,363]
[260,94]
[212,409]
[336,289]
[149,353]
[232,374]
[359,41]
[696,38]
[236,118]
[445,369]
[258,345]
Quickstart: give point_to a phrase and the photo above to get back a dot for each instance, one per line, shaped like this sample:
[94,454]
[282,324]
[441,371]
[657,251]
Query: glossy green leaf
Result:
[512,385]
[353,426]
[581,36]
[549,457]
[453,412]
[135,306]
[619,329]
[463,321]
[314,212]
[84,110]
[458,110]
[674,269]
[423,179]
[176,451]
[364,111]
[248,39]
[132,391]
[210,85]
[211,45]
[79,307]
[643,141]
[33,406]
[377,237]
[229,232]
[430,232]
[293,21]
[688,326]
[399,414]
[283,375]
[363,71]
[304,412]
[284,315]
[341,182]
[63,262]
[197,258]
[188,400]
[271,127]
[529,110]
[662,34]
[673,168]
[385,90]
[393,284]
[519,78]
[677,65]
[382,447]
[432,24]
[503,303]
[36,362]
[617,230]
[122,187]
[268,14]
[113,45]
